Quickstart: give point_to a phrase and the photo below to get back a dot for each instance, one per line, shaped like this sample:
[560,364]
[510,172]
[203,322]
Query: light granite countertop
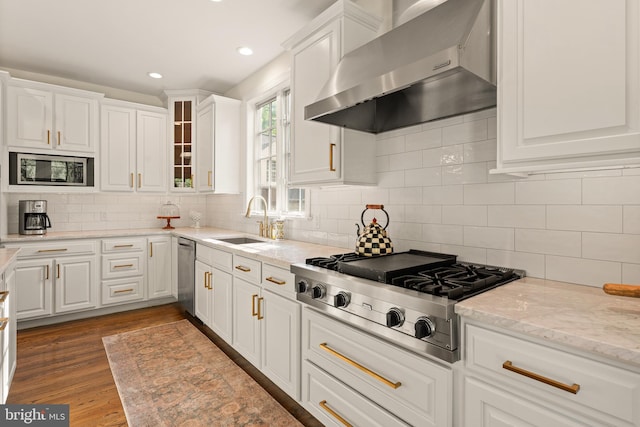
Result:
[581,317]
[7,256]
[281,253]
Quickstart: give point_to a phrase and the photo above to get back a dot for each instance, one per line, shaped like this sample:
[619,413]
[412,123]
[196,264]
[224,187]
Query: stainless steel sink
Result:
[240,240]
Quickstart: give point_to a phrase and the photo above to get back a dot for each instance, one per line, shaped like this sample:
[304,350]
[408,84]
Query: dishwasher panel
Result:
[186,274]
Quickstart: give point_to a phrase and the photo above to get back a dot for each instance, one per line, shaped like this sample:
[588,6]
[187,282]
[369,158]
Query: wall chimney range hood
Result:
[439,64]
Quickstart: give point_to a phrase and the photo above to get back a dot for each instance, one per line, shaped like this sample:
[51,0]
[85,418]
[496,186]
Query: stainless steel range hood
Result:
[439,64]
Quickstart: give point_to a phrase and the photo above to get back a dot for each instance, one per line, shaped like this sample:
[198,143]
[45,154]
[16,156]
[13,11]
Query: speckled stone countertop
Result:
[7,256]
[281,253]
[581,317]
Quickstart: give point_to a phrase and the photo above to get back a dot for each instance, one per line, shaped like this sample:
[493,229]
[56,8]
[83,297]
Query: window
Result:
[271,157]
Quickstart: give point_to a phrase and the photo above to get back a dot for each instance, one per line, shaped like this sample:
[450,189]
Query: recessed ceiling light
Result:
[245,51]
[155,75]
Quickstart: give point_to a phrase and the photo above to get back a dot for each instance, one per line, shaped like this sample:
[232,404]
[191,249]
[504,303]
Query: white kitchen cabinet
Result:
[133,147]
[214,295]
[54,278]
[222,304]
[568,85]
[8,348]
[322,153]
[51,117]
[123,270]
[202,292]
[511,380]
[218,145]
[247,312]
[159,267]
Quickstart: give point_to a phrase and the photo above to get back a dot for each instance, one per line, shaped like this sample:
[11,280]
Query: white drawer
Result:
[602,387]
[56,249]
[214,257]
[247,268]
[414,388]
[122,290]
[122,265]
[278,279]
[124,245]
[331,402]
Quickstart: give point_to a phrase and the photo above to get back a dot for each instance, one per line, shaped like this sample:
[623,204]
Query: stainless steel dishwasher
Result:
[186,274]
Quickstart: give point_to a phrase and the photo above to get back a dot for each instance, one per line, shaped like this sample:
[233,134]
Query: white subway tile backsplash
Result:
[429,138]
[470,173]
[502,193]
[390,146]
[466,253]
[442,123]
[402,161]
[489,237]
[492,131]
[424,177]
[556,192]
[383,164]
[482,151]
[517,216]
[532,264]
[464,215]
[624,190]
[443,195]
[448,234]
[606,219]
[425,214]
[631,273]
[567,243]
[393,179]
[611,247]
[582,270]
[449,155]
[407,195]
[465,132]
[631,219]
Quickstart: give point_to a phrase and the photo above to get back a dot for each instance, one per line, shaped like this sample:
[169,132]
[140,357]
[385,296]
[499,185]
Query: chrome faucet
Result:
[264,224]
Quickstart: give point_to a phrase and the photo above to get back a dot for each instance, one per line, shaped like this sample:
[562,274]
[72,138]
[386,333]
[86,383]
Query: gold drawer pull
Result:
[253,305]
[121,291]
[276,281]
[355,364]
[4,321]
[59,137]
[331,166]
[53,250]
[48,137]
[570,388]
[123,266]
[334,414]
[3,296]
[130,245]
[243,268]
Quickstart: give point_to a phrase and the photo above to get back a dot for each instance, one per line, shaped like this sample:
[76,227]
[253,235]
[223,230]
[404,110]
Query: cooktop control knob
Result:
[318,291]
[424,327]
[341,299]
[302,286]
[395,317]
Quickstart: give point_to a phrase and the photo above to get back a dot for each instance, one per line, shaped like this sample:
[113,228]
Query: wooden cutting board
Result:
[622,290]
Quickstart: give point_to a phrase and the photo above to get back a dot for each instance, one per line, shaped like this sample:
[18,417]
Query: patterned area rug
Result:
[172,375]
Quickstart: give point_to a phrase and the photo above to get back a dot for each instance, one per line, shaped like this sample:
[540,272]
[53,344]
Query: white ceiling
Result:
[116,43]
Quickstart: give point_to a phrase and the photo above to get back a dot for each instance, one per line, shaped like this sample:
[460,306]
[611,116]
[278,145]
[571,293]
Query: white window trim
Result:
[274,90]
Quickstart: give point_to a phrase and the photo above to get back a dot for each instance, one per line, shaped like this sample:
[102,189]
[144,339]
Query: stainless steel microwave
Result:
[44,169]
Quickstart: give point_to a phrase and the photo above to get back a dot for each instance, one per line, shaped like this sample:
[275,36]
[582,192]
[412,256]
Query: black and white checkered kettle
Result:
[373,240]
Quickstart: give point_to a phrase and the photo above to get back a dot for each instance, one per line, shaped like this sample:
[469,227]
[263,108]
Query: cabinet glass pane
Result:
[182,148]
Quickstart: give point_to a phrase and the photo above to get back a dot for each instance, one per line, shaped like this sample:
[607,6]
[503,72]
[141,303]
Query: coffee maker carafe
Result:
[32,217]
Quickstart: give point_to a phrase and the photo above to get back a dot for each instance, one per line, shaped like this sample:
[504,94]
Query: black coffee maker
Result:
[32,217]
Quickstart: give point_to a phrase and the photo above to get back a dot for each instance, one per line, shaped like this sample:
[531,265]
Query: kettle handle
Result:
[381,207]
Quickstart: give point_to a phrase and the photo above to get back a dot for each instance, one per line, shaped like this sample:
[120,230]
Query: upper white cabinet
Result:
[51,117]
[133,147]
[322,153]
[218,145]
[568,84]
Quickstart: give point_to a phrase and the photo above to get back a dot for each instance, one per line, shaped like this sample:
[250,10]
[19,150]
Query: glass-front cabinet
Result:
[182,144]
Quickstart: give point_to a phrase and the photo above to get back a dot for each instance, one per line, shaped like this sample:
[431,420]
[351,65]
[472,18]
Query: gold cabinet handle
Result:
[209,178]
[570,388]
[206,279]
[122,291]
[333,413]
[260,316]
[131,180]
[4,321]
[48,137]
[52,250]
[3,296]
[276,281]
[210,285]
[139,180]
[253,305]
[59,137]
[150,249]
[123,266]
[130,245]
[47,274]
[58,268]
[243,268]
[331,166]
[355,364]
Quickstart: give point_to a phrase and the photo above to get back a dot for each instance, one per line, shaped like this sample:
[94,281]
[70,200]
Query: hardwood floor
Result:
[67,364]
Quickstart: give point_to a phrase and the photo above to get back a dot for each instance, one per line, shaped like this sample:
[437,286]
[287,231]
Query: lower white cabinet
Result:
[7,331]
[48,284]
[123,270]
[510,380]
[159,267]
[213,296]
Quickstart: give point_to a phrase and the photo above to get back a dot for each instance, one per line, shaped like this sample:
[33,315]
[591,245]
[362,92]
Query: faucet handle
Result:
[261,228]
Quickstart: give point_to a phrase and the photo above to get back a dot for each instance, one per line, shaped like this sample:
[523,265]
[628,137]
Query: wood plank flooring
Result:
[67,364]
